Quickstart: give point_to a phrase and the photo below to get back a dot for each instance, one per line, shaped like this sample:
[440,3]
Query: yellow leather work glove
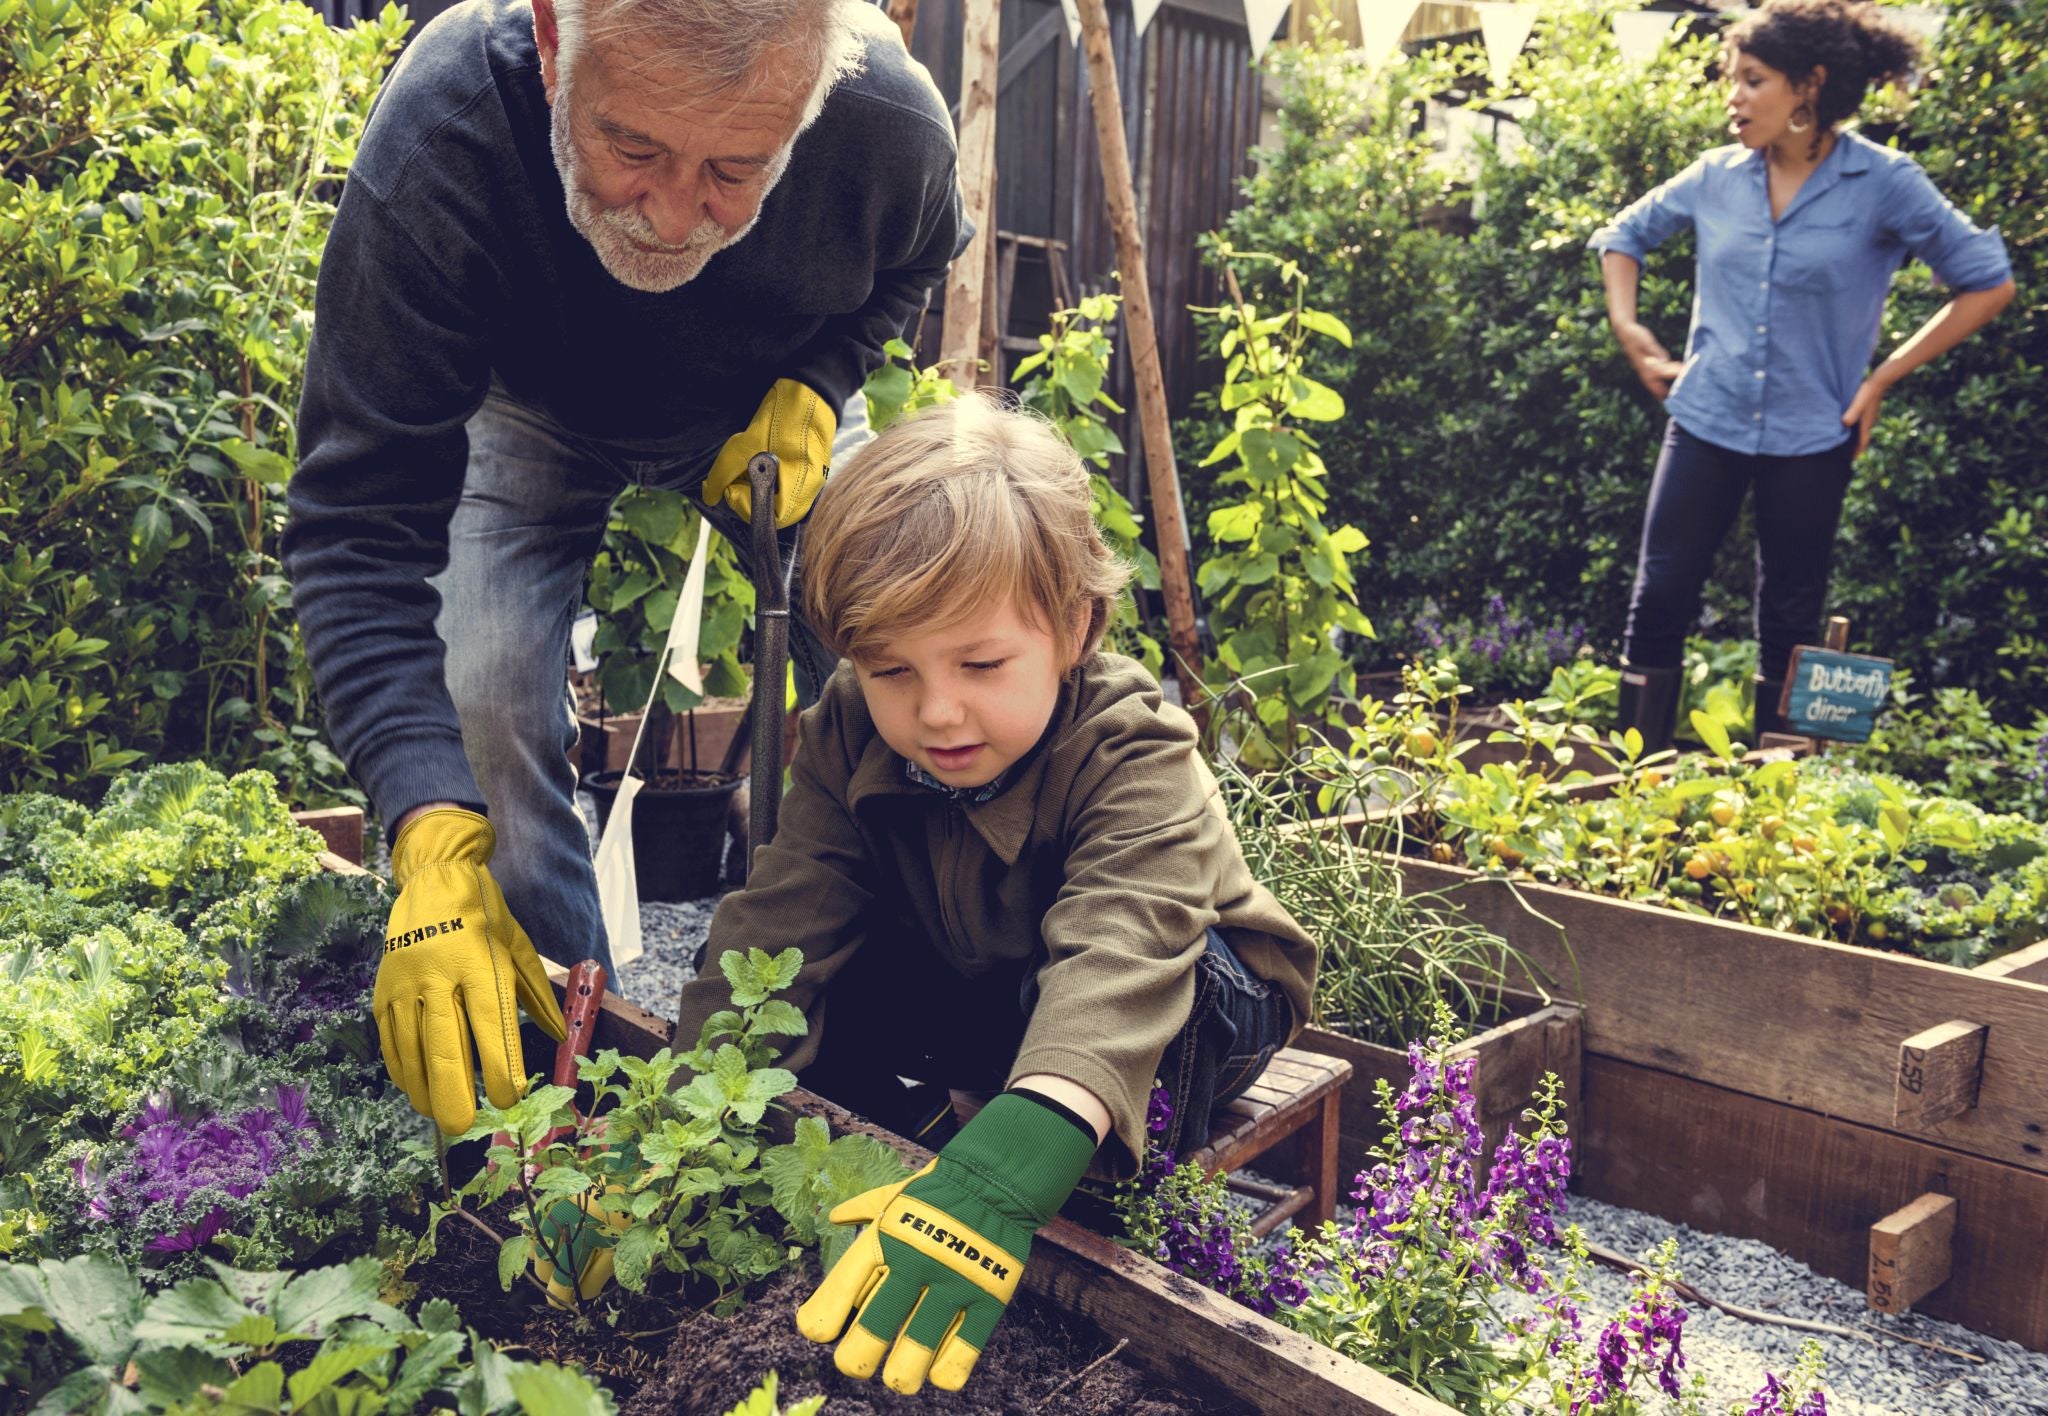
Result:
[456,970]
[797,426]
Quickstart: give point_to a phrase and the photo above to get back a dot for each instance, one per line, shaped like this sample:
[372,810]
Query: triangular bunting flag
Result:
[1261,18]
[1073,14]
[1640,33]
[1382,23]
[1142,11]
[1505,28]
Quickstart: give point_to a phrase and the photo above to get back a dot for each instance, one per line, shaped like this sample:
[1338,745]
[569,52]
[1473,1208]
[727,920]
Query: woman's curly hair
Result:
[1854,40]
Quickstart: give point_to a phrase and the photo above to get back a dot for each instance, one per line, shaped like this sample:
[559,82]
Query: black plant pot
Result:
[678,829]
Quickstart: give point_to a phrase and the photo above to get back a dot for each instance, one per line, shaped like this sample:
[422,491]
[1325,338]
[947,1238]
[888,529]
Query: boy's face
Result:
[966,701]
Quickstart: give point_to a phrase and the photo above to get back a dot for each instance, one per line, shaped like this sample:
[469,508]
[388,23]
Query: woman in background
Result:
[1799,226]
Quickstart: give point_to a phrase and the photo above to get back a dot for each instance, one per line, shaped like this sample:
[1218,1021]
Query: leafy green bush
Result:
[1495,440]
[162,208]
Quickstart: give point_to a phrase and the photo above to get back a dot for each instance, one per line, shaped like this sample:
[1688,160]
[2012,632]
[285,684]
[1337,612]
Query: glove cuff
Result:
[447,833]
[1026,1149]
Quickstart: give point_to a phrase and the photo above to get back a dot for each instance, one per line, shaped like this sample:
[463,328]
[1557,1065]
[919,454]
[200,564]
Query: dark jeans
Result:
[1694,496]
[889,1017]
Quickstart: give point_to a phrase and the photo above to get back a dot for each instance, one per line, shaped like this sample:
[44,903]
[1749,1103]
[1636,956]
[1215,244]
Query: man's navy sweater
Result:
[452,261]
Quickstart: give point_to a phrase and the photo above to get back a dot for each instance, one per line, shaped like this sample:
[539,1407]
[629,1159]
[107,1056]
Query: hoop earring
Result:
[1794,125]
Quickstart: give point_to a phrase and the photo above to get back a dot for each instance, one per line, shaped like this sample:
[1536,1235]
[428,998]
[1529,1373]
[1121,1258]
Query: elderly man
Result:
[586,244]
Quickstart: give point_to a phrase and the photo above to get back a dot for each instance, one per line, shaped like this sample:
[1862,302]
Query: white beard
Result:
[612,231]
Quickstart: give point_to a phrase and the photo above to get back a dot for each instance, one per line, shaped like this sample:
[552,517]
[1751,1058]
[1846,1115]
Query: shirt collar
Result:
[1849,157]
[1003,819]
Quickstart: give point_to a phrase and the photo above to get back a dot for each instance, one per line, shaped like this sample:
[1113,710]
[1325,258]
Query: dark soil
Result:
[656,1367]
[1036,1362]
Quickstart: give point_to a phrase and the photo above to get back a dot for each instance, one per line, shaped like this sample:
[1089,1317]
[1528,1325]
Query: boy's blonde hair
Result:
[948,512]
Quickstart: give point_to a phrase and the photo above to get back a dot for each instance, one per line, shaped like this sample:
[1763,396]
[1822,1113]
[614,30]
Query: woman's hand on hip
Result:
[1651,360]
[1862,413]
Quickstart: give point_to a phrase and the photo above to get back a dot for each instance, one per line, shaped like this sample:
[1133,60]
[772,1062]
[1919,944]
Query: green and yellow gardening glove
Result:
[943,1251]
[582,1234]
[457,969]
[797,426]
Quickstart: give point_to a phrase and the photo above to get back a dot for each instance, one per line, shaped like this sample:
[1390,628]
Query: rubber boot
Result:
[1768,718]
[1649,704]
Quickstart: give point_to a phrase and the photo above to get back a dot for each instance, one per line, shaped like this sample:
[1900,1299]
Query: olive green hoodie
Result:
[1109,851]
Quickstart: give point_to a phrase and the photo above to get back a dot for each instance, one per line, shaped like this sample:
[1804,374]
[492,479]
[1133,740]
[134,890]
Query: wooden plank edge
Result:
[1174,1327]
[341,827]
[2028,965]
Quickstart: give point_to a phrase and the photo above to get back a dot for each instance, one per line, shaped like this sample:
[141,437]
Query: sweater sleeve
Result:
[839,358]
[398,364]
[806,889]
[1143,855]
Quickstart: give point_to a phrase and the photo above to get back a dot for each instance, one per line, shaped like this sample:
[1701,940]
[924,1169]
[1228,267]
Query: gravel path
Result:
[1886,1379]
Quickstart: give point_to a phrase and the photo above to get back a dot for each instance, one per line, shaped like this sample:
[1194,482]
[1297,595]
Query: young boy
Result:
[1003,861]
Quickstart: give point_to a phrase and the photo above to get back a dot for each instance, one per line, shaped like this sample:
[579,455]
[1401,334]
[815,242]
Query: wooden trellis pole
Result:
[966,282]
[904,13]
[1142,339]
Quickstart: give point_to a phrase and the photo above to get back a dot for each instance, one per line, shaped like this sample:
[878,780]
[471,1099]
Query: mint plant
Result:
[671,1174]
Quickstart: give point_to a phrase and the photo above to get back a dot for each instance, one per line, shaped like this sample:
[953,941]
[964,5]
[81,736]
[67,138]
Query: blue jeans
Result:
[535,498]
[1694,496]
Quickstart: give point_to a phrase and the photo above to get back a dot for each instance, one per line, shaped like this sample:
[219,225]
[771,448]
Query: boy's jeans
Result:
[534,502]
[877,1033]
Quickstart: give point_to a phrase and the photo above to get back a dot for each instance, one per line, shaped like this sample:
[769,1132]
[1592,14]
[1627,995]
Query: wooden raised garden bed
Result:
[1797,1091]
[1173,1330]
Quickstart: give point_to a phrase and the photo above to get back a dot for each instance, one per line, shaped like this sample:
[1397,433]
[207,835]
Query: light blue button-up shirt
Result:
[1785,313]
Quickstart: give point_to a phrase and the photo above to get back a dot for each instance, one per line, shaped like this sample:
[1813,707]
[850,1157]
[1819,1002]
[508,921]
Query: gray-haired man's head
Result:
[672,120]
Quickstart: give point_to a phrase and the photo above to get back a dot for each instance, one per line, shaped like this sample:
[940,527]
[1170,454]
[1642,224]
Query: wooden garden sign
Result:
[1836,695]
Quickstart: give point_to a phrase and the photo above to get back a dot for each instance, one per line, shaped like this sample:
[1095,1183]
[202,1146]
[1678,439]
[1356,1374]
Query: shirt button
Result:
[1758,415]
[1759,373]
[1761,328]
[1763,285]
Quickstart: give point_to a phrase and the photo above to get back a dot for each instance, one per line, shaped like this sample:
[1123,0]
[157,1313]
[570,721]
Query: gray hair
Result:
[724,41]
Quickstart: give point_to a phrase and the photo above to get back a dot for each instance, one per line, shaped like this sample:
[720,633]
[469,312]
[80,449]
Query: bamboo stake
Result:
[1142,340]
[904,13]
[960,337]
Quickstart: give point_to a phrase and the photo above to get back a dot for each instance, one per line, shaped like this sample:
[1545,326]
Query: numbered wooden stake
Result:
[1911,1251]
[1939,1072]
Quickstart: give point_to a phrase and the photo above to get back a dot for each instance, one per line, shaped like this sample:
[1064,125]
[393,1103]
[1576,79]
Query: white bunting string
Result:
[1505,29]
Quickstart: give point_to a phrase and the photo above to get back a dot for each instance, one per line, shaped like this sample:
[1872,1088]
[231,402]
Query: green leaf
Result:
[330,1366]
[261,1388]
[91,1298]
[1235,523]
[513,1255]
[1713,735]
[545,1389]
[634,1255]
[313,1302]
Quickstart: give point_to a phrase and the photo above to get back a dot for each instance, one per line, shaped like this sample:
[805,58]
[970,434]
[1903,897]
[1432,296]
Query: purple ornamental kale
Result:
[175,1157]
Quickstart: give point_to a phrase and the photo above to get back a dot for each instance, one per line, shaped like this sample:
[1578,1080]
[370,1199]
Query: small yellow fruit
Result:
[1698,868]
[1723,813]
[1442,854]
[1805,845]
[1422,743]
[1770,826]
[1500,850]
[1877,929]
[1653,779]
